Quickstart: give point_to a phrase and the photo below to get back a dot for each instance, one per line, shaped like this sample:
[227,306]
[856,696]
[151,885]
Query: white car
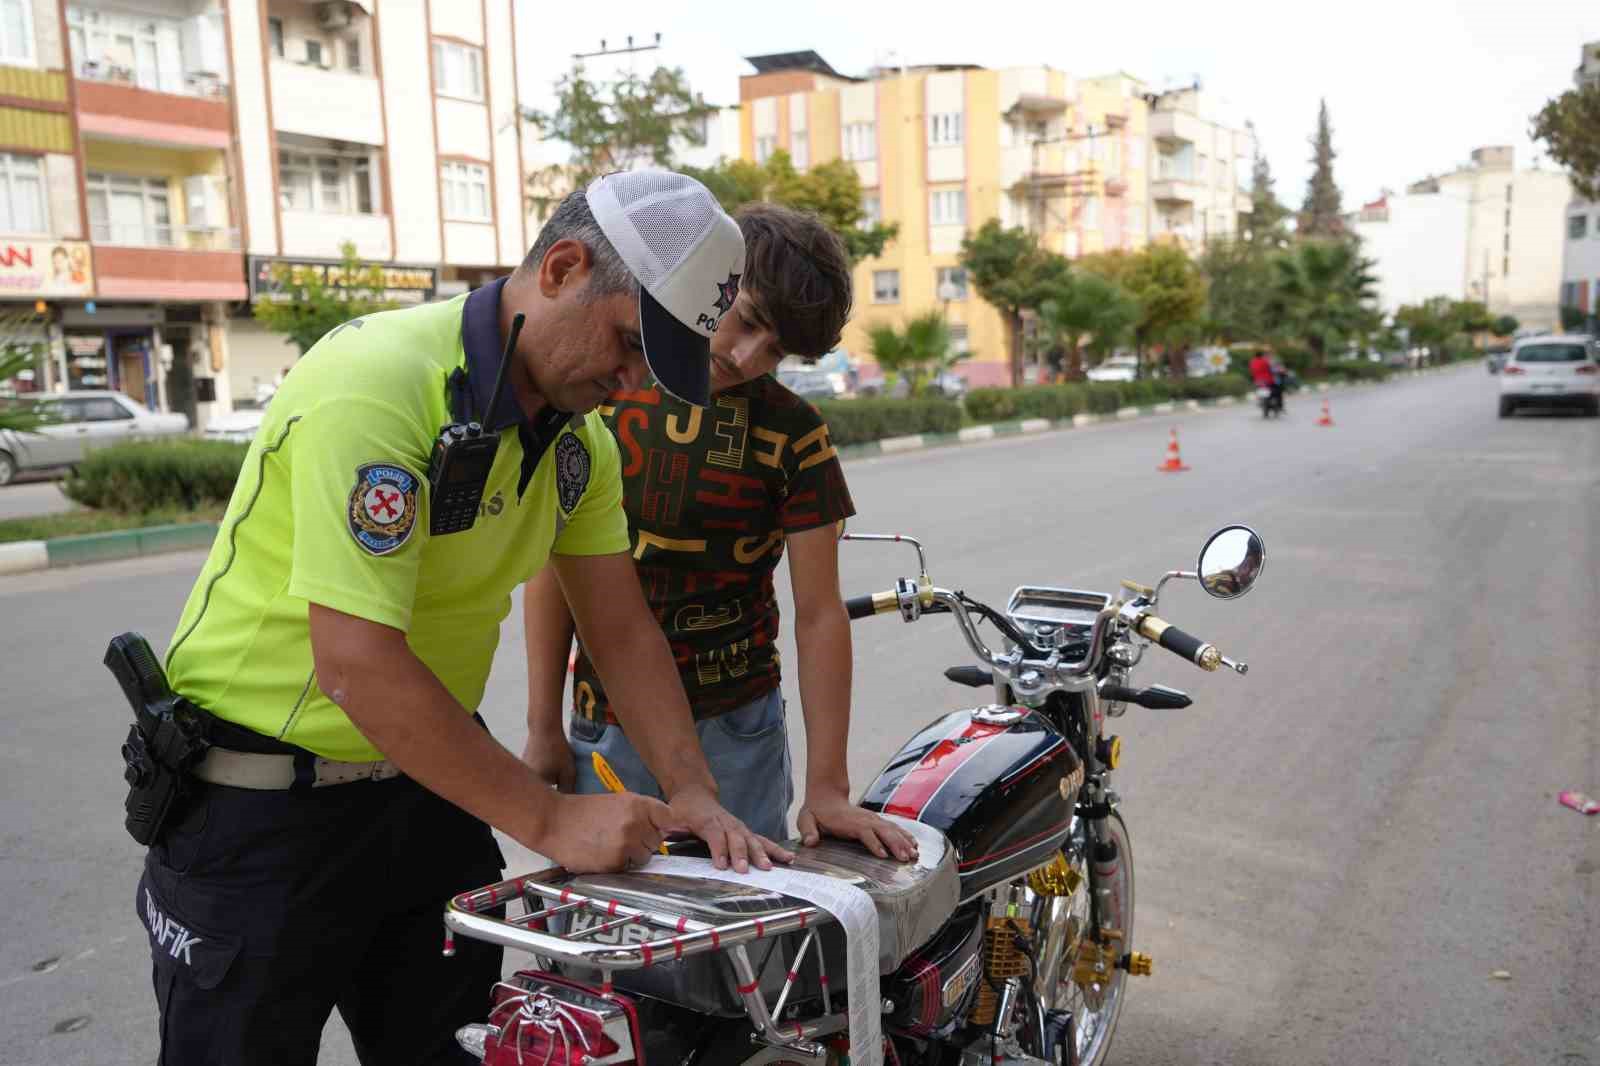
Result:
[75,423]
[1562,370]
[238,425]
[1117,368]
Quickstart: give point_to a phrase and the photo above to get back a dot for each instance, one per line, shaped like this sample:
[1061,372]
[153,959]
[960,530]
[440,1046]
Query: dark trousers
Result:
[266,910]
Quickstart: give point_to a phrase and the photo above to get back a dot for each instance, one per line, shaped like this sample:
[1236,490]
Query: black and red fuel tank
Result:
[1000,782]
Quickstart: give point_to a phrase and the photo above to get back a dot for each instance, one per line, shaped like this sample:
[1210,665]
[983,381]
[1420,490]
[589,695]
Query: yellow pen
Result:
[608,777]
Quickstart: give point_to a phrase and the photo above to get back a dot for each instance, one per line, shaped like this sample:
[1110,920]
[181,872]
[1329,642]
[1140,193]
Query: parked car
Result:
[1117,368]
[239,425]
[948,384]
[1497,359]
[811,383]
[1559,370]
[76,422]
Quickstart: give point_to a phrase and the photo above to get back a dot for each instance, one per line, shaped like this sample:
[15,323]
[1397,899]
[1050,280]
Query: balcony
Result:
[1174,191]
[1177,127]
[168,262]
[120,112]
[335,105]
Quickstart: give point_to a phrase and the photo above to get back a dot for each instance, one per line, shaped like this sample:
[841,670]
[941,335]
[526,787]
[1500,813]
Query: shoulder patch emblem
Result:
[383,507]
[572,471]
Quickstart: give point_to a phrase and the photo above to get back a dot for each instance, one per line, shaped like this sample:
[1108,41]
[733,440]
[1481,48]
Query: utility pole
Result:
[625,50]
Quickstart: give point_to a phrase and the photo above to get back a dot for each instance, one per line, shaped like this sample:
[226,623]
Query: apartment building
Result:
[1201,176]
[942,149]
[390,124]
[162,157]
[1580,253]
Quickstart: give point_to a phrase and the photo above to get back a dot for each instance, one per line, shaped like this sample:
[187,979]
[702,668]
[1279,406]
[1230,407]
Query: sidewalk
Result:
[23,556]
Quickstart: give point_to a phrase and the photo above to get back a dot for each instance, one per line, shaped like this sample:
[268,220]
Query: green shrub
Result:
[873,418]
[992,405]
[1104,397]
[135,478]
[1210,388]
[1357,370]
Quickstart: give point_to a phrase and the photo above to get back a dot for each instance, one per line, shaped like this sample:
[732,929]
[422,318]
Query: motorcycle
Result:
[1270,399]
[1009,940]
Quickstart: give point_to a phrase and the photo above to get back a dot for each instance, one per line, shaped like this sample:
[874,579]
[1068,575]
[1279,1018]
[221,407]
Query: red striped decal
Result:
[823,979]
[649,956]
[915,789]
[745,990]
[494,895]
[716,939]
[565,892]
[677,947]
[1049,753]
[682,922]
[1018,846]
[761,930]
[793,974]
[802,919]
[611,908]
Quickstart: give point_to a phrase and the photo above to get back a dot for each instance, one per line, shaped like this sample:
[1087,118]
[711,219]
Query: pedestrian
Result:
[340,636]
[715,499]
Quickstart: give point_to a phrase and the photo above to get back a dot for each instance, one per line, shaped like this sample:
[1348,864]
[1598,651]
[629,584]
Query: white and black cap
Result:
[687,255]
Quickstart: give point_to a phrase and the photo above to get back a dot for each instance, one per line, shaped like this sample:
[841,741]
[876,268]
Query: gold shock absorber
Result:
[1001,960]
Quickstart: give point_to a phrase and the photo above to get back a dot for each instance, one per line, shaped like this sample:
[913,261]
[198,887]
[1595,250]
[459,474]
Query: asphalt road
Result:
[34,496]
[1334,854]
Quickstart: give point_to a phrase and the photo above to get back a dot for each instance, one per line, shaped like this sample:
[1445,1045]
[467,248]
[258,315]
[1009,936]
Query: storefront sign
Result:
[45,268]
[399,284]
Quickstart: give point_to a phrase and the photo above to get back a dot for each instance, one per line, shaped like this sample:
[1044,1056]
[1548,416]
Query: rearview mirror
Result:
[1231,561]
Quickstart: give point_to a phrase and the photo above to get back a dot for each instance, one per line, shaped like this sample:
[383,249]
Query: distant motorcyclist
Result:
[1267,375]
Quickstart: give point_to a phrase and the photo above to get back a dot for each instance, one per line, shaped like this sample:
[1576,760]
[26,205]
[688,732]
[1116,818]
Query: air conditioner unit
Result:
[333,14]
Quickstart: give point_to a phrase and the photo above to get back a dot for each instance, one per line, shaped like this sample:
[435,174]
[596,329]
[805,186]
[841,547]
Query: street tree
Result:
[305,302]
[1013,275]
[1569,126]
[1321,213]
[1505,326]
[1169,289]
[1322,296]
[634,121]
[831,191]
[1264,224]
[1239,275]
[918,353]
[1087,307]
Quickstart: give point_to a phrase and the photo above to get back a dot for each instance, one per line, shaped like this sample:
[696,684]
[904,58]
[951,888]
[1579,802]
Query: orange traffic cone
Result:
[1174,463]
[1327,418]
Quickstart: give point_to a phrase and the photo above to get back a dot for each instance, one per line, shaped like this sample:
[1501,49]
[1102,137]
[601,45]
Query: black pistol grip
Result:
[136,668]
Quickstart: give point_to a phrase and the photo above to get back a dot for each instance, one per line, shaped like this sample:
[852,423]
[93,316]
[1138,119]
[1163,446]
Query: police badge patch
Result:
[572,471]
[383,507]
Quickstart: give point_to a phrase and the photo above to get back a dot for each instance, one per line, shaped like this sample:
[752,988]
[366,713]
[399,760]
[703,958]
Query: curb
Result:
[20,557]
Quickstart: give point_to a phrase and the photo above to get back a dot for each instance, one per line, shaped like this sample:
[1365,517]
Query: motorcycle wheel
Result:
[1095,1009]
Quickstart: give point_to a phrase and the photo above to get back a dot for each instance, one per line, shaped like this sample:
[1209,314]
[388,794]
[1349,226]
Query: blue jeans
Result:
[747,750]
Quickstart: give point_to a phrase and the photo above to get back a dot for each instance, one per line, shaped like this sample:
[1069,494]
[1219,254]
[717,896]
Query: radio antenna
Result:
[505,361]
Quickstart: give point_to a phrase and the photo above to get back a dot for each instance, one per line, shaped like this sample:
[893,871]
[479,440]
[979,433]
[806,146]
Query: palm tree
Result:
[921,351]
[1322,295]
[1087,305]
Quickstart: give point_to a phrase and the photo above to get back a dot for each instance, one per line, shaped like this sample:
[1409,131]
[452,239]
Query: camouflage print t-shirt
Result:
[710,494]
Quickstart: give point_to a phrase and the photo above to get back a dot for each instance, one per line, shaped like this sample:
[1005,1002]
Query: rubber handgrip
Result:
[972,676]
[1176,640]
[859,607]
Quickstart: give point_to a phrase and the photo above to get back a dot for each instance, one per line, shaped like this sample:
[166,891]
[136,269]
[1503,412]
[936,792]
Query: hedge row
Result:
[1358,370]
[1095,397]
[873,418]
[134,478]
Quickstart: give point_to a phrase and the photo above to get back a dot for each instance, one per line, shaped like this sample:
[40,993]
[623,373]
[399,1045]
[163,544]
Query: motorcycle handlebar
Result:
[1175,640]
[871,604]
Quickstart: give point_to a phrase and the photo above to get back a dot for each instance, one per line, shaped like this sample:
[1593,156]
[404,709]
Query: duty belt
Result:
[249,769]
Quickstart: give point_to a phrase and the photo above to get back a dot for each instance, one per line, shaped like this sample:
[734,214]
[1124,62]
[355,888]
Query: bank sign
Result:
[45,268]
[379,281]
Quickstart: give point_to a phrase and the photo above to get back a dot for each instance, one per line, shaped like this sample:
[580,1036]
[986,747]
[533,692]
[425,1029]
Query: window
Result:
[859,141]
[142,50]
[1577,226]
[765,146]
[275,35]
[103,409]
[947,207]
[24,203]
[16,31]
[885,286]
[951,283]
[352,54]
[466,192]
[458,70]
[944,128]
[871,211]
[800,150]
[960,343]
[328,183]
[124,209]
[314,53]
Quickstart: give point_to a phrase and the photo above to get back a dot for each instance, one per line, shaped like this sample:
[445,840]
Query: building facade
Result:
[1419,241]
[941,150]
[164,157]
[1580,253]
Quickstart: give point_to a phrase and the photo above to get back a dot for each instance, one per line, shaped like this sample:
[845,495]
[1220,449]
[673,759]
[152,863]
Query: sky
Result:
[1412,86]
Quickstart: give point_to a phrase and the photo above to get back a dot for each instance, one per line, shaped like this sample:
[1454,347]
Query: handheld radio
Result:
[463,454]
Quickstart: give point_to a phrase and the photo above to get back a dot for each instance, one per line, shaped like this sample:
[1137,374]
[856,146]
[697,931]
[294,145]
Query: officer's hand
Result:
[602,834]
[551,758]
[729,839]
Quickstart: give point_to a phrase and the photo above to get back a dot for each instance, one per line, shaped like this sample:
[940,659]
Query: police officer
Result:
[340,636]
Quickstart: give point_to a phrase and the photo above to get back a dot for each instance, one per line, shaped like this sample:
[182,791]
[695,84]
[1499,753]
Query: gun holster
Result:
[168,736]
